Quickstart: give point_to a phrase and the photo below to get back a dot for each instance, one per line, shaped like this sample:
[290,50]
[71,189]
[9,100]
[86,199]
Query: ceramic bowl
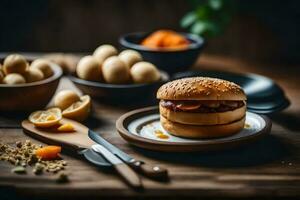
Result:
[29,96]
[126,94]
[170,61]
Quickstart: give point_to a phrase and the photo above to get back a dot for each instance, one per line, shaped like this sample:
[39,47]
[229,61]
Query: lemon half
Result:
[46,118]
[79,110]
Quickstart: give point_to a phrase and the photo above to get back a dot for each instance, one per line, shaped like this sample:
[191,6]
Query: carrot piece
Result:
[155,39]
[165,39]
[48,152]
[174,39]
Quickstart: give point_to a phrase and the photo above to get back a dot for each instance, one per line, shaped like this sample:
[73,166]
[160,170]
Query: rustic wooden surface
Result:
[268,168]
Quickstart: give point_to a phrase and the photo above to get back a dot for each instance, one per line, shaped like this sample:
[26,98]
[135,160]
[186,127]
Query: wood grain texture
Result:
[267,168]
[75,140]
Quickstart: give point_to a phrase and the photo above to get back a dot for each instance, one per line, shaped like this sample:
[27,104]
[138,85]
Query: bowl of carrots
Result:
[168,50]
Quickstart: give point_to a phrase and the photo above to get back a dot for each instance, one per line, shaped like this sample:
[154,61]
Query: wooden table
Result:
[267,168]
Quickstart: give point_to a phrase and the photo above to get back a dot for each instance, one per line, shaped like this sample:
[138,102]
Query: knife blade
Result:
[146,169]
[126,172]
[94,158]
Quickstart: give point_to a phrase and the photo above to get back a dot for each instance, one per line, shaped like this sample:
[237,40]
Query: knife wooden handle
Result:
[150,170]
[129,175]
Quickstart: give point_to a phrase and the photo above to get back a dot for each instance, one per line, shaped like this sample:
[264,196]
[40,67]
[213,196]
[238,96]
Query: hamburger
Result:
[202,107]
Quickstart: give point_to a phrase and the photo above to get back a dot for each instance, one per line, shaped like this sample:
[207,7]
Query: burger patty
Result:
[201,106]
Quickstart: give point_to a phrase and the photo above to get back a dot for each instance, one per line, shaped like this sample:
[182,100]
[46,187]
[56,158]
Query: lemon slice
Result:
[46,118]
[66,128]
[79,110]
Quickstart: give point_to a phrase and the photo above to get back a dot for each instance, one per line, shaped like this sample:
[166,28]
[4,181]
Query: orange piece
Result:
[175,40]
[68,127]
[48,152]
[165,39]
[155,39]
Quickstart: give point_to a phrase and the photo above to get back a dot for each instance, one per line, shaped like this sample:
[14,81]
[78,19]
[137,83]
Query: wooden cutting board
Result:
[76,140]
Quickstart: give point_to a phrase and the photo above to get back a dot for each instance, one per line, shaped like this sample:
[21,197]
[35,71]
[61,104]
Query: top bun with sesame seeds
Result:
[201,88]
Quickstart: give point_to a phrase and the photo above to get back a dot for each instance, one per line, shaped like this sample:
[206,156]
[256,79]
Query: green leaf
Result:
[188,19]
[198,28]
[206,28]
[209,17]
[213,29]
[203,12]
[215,4]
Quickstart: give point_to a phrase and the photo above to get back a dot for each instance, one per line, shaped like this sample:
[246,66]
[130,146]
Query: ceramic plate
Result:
[139,127]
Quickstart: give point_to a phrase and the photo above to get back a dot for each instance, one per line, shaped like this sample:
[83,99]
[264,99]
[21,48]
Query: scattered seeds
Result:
[38,168]
[19,170]
[32,159]
[23,154]
[19,144]
[11,160]
[23,164]
[28,143]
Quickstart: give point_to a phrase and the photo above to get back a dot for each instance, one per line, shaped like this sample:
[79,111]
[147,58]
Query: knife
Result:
[126,172]
[79,143]
[140,166]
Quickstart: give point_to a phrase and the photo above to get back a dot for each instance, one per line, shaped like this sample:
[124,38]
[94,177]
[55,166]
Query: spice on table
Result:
[23,154]
[19,144]
[32,159]
[19,170]
[38,168]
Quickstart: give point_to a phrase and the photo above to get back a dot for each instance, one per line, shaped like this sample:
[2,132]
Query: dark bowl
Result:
[29,96]
[171,61]
[127,94]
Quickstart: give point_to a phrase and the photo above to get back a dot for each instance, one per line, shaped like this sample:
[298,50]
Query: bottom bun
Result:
[194,131]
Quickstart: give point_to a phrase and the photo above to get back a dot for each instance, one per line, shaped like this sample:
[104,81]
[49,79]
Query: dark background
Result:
[260,30]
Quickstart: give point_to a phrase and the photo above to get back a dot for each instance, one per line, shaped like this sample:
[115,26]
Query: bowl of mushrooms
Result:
[114,77]
[27,85]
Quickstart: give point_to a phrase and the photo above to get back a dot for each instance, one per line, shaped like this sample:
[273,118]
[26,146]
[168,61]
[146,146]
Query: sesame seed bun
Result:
[208,122]
[201,88]
[194,131]
[198,118]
